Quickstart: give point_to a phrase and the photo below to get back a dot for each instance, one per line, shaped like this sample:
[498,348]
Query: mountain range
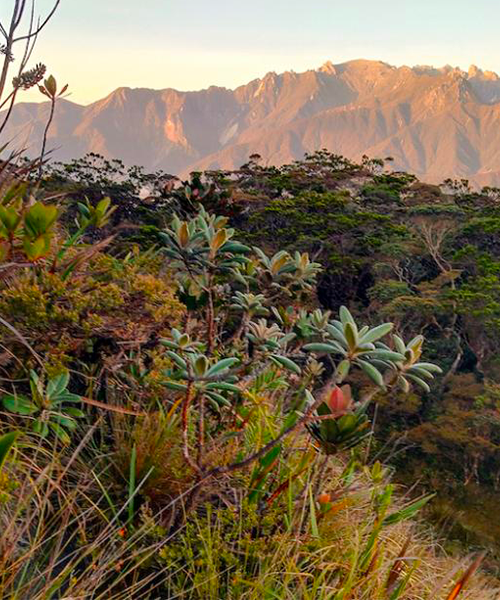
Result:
[434,122]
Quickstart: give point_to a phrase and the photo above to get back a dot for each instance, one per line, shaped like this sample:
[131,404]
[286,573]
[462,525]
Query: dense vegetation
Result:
[201,381]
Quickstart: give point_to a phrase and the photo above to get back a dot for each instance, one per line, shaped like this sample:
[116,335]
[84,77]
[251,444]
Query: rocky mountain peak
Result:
[436,122]
[328,67]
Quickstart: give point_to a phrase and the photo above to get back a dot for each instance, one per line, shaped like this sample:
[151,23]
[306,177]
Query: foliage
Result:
[224,437]
[48,406]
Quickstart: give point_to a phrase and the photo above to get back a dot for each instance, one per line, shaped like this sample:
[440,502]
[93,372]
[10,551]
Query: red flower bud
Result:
[339,400]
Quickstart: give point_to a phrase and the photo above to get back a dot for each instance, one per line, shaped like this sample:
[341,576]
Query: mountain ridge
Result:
[435,122]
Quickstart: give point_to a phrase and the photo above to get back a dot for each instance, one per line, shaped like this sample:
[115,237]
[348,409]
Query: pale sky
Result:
[98,45]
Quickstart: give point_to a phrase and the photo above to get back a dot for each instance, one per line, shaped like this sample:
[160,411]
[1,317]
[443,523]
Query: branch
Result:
[40,26]
[269,446]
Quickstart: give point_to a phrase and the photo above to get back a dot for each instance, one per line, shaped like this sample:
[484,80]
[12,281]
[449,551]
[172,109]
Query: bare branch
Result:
[40,26]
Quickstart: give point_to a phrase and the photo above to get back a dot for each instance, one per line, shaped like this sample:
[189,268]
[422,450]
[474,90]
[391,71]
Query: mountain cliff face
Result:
[436,123]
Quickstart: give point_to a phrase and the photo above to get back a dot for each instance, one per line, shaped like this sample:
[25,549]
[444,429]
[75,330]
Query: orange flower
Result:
[324,498]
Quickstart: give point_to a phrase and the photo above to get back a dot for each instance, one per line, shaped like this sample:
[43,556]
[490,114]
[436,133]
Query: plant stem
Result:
[45,133]
[185,425]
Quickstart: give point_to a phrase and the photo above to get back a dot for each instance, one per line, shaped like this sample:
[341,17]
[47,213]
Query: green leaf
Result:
[7,440]
[312,512]
[180,362]
[345,316]
[343,370]
[373,373]
[222,385]
[351,335]
[421,373]
[320,347]
[74,412]
[385,355]
[19,405]
[200,365]
[408,511]
[286,363]
[268,459]
[84,209]
[66,397]
[218,399]
[41,428]
[57,385]
[376,333]
[235,247]
[222,365]
[399,343]
[432,368]
[173,385]
[60,432]
[68,422]
[419,382]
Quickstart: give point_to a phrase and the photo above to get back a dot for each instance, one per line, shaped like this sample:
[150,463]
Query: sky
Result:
[98,45]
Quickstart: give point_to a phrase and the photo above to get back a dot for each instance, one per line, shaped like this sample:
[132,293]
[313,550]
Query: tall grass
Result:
[66,534]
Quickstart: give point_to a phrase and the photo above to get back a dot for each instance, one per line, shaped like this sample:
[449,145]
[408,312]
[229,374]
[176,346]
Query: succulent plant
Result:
[340,425]
[249,304]
[47,407]
[357,346]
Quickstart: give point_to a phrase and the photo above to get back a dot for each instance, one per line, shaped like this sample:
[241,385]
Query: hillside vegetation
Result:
[247,385]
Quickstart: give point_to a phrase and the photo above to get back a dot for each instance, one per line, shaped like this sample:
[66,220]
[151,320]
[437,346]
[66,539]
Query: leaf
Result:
[51,85]
[408,511]
[60,432]
[459,586]
[343,370]
[66,396]
[36,249]
[74,412]
[173,385]
[428,367]
[385,355]
[268,459]
[39,219]
[57,385]
[345,316]
[65,421]
[19,405]
[421,373]
[222,365]
[286,363]
[218,399]
[7,440]
[180,362]
[222,385]
[41,428]
[351,335]
[403,384]
[183,235]
[320,347]
[373,373]
[235,247]
[419,382]
[399,343]
[312,509]
[376,333]
[218,240]
[200,365]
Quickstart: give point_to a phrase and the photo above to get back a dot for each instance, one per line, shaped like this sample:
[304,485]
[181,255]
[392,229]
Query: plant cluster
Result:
[186,421]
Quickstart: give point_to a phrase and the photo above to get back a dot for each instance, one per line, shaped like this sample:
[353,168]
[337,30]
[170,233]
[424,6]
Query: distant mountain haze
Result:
[436,123]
